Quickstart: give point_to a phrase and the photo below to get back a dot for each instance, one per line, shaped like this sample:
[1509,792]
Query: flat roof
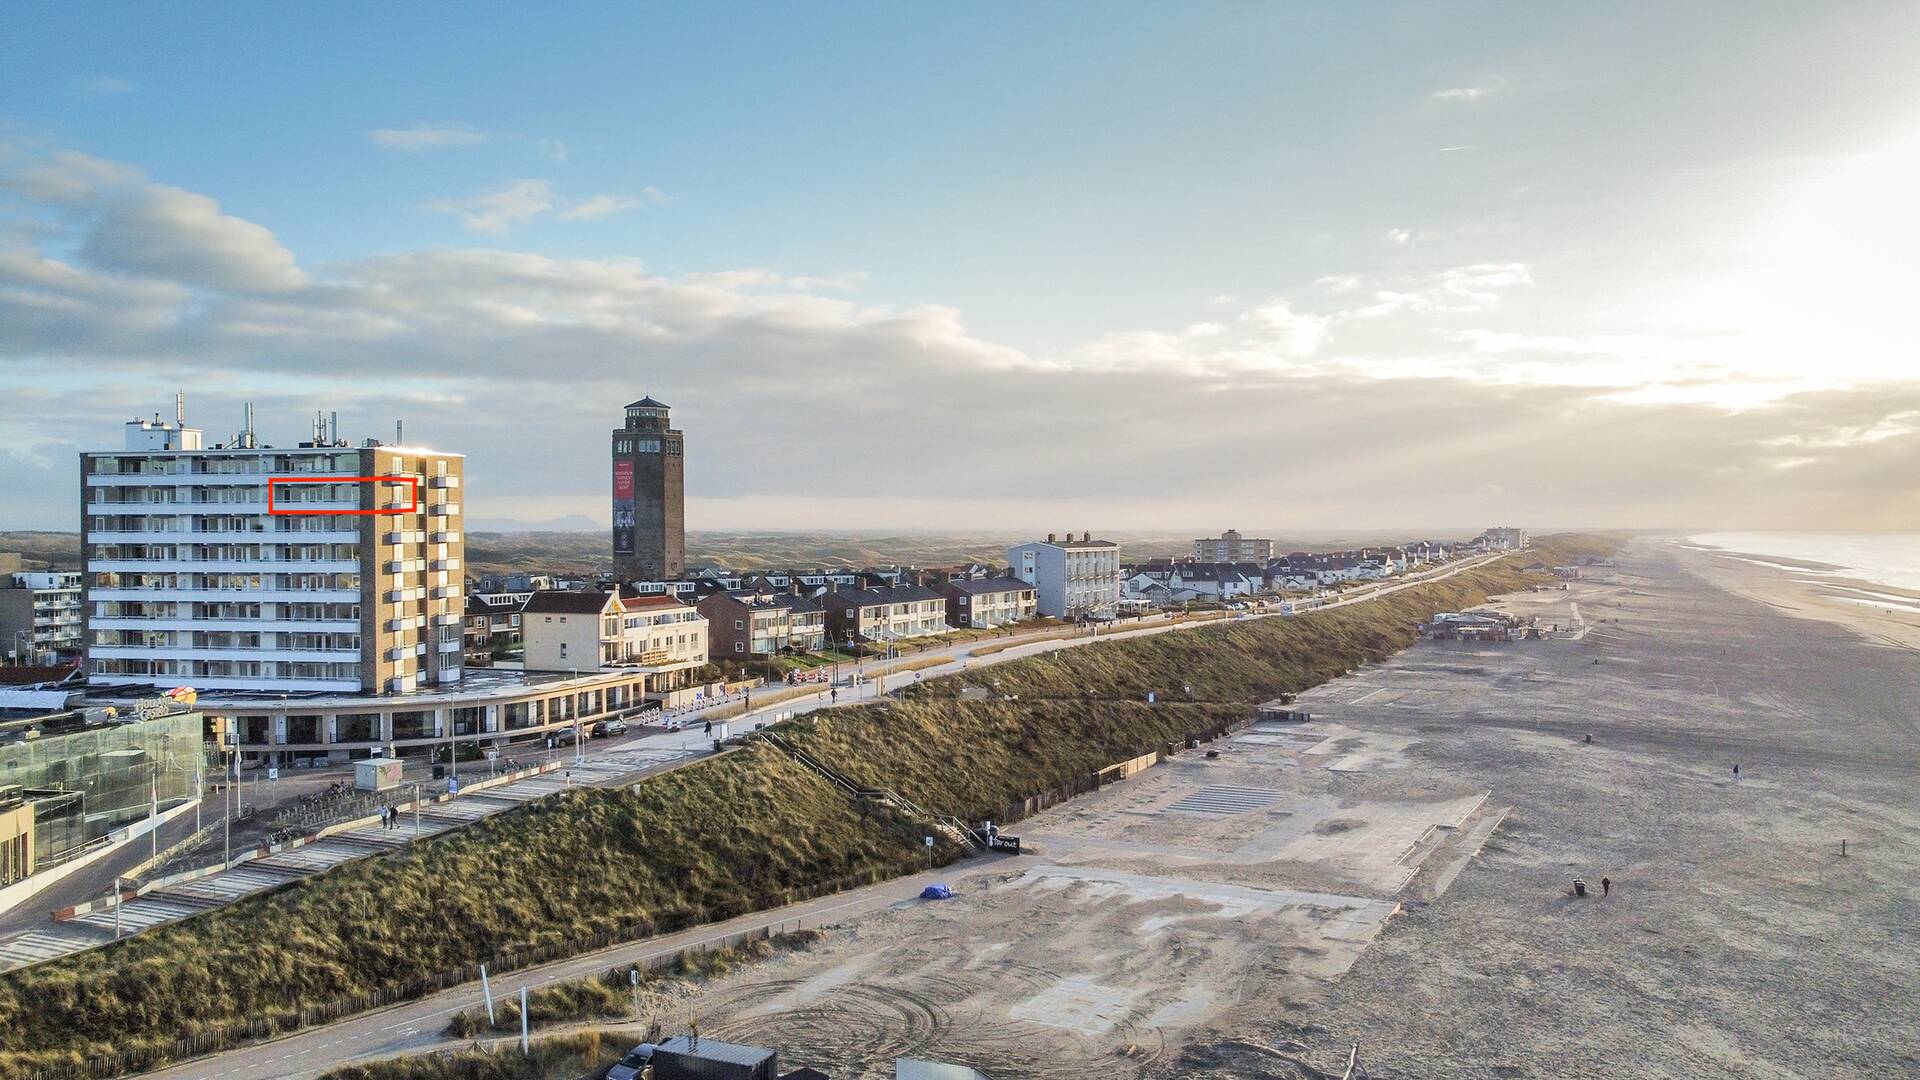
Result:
[475,683]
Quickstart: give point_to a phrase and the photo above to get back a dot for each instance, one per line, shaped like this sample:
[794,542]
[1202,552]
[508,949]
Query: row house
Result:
[744,624]
[982,603]
[886,614]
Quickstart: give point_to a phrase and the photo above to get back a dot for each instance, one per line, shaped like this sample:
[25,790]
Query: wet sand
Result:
[1879,613]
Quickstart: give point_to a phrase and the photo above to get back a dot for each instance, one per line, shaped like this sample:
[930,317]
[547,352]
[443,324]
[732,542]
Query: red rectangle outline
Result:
[412,482]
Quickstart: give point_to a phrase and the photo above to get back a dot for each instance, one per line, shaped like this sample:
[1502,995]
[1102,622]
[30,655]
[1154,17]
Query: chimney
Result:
[333,427]
[1049,538]
[398,440]
[1086,537]
[180,408]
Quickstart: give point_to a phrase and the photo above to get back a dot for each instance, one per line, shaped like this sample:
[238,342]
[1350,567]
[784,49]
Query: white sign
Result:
[929,841]
[273,772]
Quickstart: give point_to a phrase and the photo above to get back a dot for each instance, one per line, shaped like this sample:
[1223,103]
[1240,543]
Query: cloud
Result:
[1298,335]
[496,212]
[134,289]
[595,207]
[421,137]
[1462,93]
[100,86]
[170,234]
[552,149]
[1401,237]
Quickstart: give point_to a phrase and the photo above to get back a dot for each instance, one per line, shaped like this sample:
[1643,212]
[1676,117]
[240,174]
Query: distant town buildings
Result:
[1504,538]
[40,616]
[1231,547]
[1070,577]
[649,495]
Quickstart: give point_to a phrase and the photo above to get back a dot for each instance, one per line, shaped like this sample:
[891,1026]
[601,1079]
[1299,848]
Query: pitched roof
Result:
[894,594]
[646,403]
[556,602]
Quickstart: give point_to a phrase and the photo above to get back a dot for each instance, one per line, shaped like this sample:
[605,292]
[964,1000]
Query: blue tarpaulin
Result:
[936,892]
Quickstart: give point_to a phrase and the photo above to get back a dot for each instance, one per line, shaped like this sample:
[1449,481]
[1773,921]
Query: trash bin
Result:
[439,772]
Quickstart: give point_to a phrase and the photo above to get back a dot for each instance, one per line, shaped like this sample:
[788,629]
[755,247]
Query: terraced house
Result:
[742,624]
[856,616]
[981,603]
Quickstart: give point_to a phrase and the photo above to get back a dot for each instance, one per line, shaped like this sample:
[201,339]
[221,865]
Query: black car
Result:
[606,728]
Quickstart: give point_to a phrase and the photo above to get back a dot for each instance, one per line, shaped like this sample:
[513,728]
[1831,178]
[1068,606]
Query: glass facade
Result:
[114,771]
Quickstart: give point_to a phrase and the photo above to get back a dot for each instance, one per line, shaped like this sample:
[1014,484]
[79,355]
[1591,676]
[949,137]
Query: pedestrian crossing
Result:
[1224,800]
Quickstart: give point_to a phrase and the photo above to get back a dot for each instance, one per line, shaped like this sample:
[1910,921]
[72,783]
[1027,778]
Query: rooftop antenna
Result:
[180,408]
[333,427]
[397,439]
[246,434]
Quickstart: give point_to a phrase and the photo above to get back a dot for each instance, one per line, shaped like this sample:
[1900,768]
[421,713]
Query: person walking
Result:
[1606,886]
[1736,770]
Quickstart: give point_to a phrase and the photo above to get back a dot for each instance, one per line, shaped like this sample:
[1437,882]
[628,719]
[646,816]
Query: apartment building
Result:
[1071,577]
[607,631]
[1231,547]
[884,614]
[320,567]
[745,624]
[982,603]
[40,616]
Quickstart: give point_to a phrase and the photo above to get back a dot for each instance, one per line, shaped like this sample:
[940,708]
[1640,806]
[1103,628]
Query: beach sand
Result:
[1879,613]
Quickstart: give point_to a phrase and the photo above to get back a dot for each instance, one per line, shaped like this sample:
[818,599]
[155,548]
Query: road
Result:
[416,1026]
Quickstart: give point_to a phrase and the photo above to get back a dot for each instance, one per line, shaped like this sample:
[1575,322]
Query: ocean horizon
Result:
[1891,559]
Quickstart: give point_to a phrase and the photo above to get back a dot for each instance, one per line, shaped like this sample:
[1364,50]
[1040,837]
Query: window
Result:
[739,624]
[739,646]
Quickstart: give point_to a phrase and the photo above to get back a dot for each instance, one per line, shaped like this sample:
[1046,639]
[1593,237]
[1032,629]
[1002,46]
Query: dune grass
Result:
[730,835]
[609,995]
[564,1057]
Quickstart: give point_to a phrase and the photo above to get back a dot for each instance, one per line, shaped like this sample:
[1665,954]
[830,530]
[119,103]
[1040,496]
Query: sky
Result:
[997,267]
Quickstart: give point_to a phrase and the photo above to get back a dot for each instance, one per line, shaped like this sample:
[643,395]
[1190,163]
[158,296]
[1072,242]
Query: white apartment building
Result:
[1070,577]
[605,631]
[243,567]
[40,615]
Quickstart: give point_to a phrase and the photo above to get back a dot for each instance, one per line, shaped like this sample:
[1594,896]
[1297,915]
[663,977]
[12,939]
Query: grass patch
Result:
[609,995]
[565,1057]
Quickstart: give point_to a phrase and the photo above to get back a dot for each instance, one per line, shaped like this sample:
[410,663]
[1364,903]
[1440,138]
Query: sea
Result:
[1882,558]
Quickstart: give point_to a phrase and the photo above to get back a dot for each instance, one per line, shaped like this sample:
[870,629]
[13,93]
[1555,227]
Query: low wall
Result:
[20,891]
[1119,770]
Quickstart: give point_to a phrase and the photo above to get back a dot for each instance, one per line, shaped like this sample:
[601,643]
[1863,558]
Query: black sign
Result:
[1003,842]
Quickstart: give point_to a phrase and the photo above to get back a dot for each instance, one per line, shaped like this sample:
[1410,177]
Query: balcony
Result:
[443,482]
[446,620]
[444,509]
[443,592]
[444,564]
[452,645]
[446,538]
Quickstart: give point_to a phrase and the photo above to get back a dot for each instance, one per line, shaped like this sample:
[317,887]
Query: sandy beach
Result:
[1882,614]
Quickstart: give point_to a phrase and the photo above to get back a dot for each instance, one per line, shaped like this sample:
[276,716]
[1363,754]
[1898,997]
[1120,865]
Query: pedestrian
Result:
[1606,886]
[833,696]
[383,815]
[709,728]
[693,1038]
[1736,770]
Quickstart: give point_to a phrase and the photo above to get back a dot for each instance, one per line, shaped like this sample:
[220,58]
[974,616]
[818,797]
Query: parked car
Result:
[607,728]
[631,1066]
